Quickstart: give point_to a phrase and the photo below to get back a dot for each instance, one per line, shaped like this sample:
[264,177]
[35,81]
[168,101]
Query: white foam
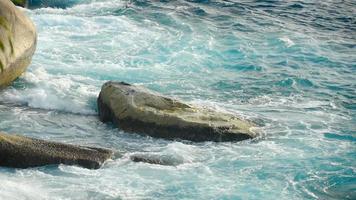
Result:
[86,8]
[288,42]
[185,58]
[19,188]
[54,92]
[175,153]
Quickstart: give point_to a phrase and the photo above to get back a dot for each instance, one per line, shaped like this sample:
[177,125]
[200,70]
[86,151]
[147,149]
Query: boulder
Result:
[136,109]
[17,42]
[23,152]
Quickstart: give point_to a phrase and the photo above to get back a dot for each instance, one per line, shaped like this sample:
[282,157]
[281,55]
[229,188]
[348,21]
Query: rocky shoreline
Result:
[133,108]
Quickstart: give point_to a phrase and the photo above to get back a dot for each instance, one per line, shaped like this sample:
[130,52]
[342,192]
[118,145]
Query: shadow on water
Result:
[33,4]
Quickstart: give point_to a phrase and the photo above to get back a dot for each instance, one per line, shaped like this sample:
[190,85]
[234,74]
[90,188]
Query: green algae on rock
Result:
[136,109]
[18,39]
[23,152]
[22,3]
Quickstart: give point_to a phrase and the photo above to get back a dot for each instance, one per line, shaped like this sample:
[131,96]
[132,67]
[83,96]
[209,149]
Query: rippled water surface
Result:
[288,65]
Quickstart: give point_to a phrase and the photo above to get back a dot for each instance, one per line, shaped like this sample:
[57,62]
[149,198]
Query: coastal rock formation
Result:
[136,109]
[23,152]
[17,42]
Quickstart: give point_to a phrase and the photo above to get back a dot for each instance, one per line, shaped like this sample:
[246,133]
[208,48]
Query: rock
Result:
[17,42]
[155,159]
[23,152]
[22,3]
[136,109]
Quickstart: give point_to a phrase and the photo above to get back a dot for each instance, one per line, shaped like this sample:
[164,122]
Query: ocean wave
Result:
[38,89]
[288,65]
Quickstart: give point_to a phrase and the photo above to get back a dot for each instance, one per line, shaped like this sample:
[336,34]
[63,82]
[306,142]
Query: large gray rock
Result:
[17,42]
[136,109]
[23,152]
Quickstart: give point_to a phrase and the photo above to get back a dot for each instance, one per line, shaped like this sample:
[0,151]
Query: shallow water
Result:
[288,65]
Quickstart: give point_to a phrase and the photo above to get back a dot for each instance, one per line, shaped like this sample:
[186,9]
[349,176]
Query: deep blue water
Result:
[288,65]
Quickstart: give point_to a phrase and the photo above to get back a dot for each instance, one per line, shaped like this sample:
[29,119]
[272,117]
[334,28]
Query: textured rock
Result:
[17,42]
[23,152]
[136,109]
[156,159]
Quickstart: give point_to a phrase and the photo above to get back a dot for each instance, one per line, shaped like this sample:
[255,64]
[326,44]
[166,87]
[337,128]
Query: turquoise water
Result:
[290,66]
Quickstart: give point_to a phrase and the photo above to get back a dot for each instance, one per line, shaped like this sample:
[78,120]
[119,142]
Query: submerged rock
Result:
[17,42]
[23,152]
[136,109]
[156,159]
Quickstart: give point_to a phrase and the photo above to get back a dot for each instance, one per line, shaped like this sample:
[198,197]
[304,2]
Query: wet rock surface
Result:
[24,152]
[136,109]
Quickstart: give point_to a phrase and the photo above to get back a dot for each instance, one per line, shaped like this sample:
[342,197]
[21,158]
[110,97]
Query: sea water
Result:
[290,66]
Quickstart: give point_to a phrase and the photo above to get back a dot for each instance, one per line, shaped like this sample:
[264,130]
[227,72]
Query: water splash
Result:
[290,65]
